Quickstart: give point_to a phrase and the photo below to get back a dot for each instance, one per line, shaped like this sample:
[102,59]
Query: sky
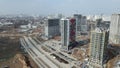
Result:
[47,7]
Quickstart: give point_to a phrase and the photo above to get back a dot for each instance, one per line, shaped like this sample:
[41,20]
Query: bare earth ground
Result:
[19,61]
[11,56]
[112,62]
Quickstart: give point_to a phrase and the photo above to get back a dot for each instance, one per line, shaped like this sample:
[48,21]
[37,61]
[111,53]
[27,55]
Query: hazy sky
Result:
[45,7]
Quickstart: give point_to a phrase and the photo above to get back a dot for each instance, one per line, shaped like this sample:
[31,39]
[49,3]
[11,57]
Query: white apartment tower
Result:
[115,29]
[98,43]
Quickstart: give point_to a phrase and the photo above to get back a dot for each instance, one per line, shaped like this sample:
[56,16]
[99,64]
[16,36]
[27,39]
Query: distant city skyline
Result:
[67,7]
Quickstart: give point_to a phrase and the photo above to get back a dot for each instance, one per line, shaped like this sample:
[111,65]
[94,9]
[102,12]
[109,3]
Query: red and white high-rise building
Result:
[68,33]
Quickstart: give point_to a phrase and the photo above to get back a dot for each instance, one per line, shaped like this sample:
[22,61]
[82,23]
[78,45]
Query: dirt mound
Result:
[79,54]
[18,61]
[111,63]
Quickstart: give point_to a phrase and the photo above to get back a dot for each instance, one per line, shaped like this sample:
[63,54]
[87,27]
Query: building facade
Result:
[115,29]
[84,25]
[98,43]
[81,22]
[52,28]
[68,33]
[78,22]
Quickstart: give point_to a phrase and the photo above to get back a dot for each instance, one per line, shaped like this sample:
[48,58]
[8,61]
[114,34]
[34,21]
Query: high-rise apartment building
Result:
[81,22]
[78,22]
[68,33]
[52,28]
[84,25]
[98,43]
[115,29]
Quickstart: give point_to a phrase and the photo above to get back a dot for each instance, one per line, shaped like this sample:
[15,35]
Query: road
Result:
[46,59]
[41,60]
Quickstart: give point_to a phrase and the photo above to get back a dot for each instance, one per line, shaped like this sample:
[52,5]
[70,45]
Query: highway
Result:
[50,59]
[41,60]
[60,65]
[32,54]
